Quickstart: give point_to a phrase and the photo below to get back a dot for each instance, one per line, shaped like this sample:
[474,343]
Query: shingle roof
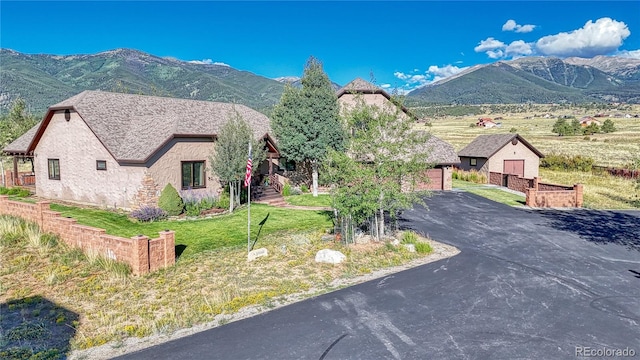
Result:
[484,146]
[441,152]
[133,127]
[359,85]
[21,144]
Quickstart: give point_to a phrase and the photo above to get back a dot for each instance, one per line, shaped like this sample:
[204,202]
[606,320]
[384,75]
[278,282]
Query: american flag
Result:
[247,176]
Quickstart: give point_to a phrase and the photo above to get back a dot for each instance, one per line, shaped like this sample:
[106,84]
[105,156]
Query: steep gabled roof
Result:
[133,127]
[484,146]
[361,86]
[20,145]
[441,152]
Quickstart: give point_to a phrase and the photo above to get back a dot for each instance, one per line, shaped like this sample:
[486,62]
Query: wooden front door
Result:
[514,167]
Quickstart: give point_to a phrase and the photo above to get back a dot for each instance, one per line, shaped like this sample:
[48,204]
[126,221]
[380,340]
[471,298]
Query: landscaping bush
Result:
[567,163]
[423,247]
[224,201]
[148,214]
[409,237]
[286,189]
[470,176]
[304,188]
[196,202]
[170,201]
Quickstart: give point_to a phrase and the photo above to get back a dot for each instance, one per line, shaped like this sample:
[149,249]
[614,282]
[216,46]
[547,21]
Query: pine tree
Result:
[306,122]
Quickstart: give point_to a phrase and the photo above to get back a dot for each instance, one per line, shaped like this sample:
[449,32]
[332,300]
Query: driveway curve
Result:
[527,284]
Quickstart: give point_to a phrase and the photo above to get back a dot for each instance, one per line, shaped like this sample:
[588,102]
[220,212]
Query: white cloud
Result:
[633,54]
[517,49]
[208,62]
[413,81]
[488,45]
[385,86]
[495,54]
[511,25]
[594,38]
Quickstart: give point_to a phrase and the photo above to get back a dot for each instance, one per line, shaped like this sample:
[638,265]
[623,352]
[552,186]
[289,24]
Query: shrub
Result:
[608,126]
[304,188]
[409,237]
[422,247]
[3,190]
[170,201]
[567,163]
[286,189]
[148,213]
[224,201]
[513,130]
[470,176]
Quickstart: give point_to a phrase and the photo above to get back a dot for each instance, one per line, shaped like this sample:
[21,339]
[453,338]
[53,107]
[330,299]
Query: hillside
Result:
[43,80]
[538,80]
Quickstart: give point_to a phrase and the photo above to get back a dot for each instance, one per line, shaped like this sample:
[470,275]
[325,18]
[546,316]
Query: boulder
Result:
[254,254]
[330,256]
[410,247]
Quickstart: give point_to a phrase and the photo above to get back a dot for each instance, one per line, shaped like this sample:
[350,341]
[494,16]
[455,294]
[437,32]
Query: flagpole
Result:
[249,208]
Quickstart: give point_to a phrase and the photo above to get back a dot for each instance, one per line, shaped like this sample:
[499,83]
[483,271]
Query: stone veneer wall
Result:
[142,253]
[147,195]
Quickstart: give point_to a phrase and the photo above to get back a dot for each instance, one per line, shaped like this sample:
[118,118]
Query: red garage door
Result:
[514,167]
[435,180]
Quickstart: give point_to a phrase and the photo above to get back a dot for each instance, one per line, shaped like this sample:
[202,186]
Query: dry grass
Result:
[601,191]
[614,149]
[196,290]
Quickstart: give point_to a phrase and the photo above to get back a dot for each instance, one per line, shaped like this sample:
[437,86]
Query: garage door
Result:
[435,180]
[514,167]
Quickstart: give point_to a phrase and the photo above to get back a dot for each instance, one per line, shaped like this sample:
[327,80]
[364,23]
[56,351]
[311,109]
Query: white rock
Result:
[410,247]
[395,242]
[254,254]
[330,256]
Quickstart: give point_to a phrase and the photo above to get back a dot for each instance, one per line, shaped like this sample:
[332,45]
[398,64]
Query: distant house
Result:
[501,153]
[114,149]
[441,153]
[486,122]
[588,120]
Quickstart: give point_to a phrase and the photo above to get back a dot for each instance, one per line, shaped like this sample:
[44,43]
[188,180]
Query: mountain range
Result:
[43,80]
[539,80]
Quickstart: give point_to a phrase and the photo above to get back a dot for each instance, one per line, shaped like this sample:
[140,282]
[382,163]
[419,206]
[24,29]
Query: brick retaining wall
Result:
[142,253]
[551,195]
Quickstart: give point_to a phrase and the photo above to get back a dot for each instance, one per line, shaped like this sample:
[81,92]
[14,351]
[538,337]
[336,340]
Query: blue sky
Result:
[403,44]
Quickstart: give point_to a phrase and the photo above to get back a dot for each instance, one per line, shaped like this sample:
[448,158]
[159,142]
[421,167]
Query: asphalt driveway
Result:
[527,284]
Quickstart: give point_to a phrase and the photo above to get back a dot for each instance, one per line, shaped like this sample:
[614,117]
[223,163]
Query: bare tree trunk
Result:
[314,175]
[238,193]
[381,222]
[231,196]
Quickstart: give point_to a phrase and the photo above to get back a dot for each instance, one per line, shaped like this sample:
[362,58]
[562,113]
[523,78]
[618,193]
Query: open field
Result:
[614,149]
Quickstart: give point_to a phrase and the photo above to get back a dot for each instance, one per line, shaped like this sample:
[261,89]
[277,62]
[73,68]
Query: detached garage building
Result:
[442,155]
[506,154]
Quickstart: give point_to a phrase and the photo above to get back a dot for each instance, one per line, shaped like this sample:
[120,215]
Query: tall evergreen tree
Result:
[307,120]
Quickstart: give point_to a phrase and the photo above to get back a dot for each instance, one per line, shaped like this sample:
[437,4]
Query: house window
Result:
[101,165]
[54,169]
[473,161]
[193,174]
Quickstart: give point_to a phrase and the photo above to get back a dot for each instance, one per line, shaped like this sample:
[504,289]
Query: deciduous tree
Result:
[229,157]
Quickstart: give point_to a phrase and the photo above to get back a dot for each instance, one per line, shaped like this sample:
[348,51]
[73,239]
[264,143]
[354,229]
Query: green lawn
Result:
[198,235]
[309,200]
[490,193]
